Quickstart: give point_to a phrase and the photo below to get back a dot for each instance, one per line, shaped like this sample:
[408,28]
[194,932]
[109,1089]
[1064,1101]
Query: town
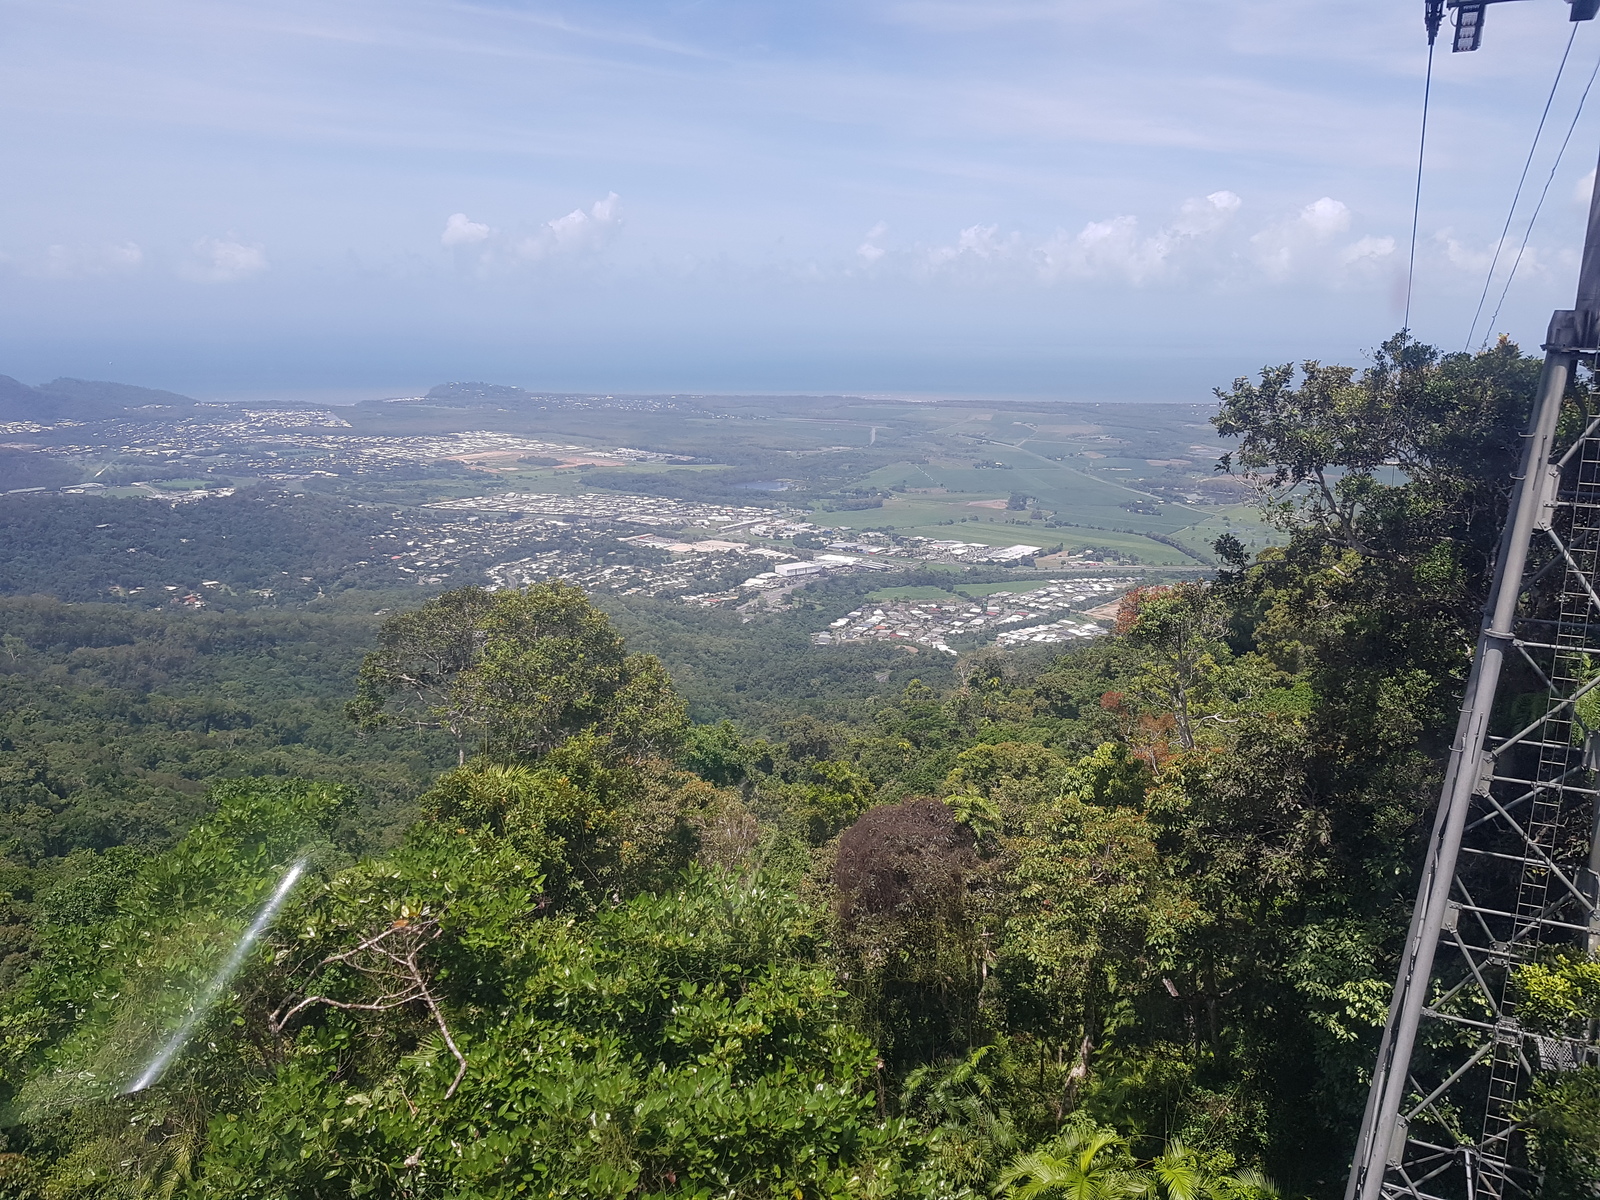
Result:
[932,623]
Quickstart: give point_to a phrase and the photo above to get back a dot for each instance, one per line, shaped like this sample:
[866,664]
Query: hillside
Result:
[616,896]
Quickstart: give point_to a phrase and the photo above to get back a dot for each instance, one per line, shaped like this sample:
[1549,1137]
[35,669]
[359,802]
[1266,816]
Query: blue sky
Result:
[1050,198]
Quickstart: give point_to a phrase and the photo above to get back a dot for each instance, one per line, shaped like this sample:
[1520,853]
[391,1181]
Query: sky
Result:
[1051,199]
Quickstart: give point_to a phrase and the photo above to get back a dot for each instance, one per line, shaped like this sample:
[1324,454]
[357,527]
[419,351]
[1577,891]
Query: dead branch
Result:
[389,957]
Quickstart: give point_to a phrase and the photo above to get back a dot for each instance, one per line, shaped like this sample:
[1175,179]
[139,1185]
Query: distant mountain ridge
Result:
[479,392]
[500,395]
[79,400]
[470,395]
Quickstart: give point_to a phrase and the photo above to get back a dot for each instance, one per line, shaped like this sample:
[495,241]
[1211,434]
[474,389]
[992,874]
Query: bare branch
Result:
[392,957]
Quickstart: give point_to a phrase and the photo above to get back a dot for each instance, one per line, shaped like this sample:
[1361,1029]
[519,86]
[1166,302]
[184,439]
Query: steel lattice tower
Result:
[1513,862]
[1511,870]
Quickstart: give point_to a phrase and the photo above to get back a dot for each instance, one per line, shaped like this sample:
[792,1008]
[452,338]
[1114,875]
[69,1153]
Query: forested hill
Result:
[260,543]
[1113,923]
[80,400]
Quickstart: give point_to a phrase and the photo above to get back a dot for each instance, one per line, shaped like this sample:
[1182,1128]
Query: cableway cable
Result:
[1416,199]
[1527,233]
[1517,195]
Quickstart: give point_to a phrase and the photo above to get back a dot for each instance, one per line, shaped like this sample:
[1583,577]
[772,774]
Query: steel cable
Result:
[1511,212]
[1416,199]
[1527,233]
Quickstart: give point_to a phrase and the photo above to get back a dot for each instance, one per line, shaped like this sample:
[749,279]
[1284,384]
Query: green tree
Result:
[412,677]
[1562,997]
[551,666]
[120,971]
[676,1045]
[1094,920]
[592,826]
[1178,1174]
[1384,461]
[1082,1164]
[520,671]
[1563,1122]
[717,753]
[1179,631]
[970,1128]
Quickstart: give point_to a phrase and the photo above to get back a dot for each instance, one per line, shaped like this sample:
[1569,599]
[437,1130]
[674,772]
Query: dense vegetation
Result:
[85,548]
[114,723]
[1115,922]
[81,399]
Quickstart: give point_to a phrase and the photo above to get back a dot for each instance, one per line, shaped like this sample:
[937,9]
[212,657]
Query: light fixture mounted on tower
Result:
[1469,19]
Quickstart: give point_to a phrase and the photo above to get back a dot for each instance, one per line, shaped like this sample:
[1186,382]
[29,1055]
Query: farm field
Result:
[1101,478]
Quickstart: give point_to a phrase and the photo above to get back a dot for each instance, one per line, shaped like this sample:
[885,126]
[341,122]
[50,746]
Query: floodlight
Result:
[1469,27]
[1470,14]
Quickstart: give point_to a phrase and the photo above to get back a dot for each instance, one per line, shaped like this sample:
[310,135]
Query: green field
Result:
[1087,508]
[952,517]
[1241,520]
[1103,477]
[960,591]
[1017,587]
[920,592]
[965,512]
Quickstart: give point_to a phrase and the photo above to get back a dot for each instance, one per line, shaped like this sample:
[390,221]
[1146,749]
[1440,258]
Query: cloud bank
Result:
[223,260]
[1208,242]
[580,235]
[90,261]
[804,185]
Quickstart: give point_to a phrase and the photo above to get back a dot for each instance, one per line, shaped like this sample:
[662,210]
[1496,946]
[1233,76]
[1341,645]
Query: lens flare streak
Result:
[230,967]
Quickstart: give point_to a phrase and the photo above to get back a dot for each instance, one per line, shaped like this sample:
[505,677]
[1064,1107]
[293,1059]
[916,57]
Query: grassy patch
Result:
[989,589]
[912,592]
[959,591]
[1243,521]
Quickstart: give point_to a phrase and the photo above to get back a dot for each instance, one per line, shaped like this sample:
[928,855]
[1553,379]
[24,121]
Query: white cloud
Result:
[984,242]
[1467,258]
[1584,189]
[1367,250]
[580,234]
[1115,248]
[1299,245]
[1111,247]
[459,230]
[869,251]
[1203,243]
[576,233]
[979,249]
[222,260]
[1206,215]
[608,210]
[1325,217]
[1530,262]
[81,261]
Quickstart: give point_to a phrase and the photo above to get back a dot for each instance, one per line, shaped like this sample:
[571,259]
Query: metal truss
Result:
[1521,877]
[1512,867]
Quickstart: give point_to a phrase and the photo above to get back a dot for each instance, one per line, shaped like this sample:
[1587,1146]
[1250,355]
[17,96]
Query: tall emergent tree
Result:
[517,672]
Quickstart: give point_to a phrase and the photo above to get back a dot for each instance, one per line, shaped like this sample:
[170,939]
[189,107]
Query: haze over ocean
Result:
[1031,198]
